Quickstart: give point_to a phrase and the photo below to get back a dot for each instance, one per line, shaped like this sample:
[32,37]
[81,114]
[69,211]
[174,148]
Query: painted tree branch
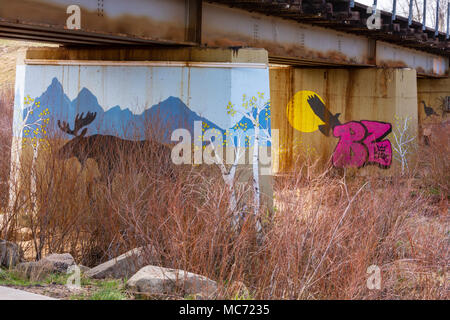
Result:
[253,108]
[403,143]
[229,177]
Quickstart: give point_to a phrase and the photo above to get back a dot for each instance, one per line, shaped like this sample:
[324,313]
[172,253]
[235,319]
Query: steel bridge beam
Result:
[196,22]
[290,42]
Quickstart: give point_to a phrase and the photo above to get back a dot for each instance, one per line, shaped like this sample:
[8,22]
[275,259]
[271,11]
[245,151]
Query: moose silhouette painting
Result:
[107,150]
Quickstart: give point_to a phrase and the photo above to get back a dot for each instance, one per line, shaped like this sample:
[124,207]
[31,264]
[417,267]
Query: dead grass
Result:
[327,227]
[6,114]
[331,234]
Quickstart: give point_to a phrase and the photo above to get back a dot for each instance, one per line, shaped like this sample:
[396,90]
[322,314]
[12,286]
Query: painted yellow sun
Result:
[299,113]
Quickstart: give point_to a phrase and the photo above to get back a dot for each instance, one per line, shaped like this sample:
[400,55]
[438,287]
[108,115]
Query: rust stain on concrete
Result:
[280,49]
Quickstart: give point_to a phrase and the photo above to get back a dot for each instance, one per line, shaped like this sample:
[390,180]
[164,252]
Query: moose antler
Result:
[80,122]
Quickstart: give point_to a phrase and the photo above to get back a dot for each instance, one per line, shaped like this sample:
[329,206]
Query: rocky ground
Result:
[52,276]
[105,282]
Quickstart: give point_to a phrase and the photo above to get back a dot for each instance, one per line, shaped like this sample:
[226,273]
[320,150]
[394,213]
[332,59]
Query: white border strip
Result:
[146,63]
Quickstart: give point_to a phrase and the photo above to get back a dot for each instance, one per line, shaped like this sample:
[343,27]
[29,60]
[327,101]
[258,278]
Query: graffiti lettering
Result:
[361,143]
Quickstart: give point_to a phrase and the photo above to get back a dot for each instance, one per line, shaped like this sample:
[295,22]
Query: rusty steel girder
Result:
[291,42]
[352,17]
[102,22]
[295,32]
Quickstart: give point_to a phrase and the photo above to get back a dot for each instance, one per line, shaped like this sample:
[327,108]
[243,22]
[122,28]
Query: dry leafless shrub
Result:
[326,229]
[6,115]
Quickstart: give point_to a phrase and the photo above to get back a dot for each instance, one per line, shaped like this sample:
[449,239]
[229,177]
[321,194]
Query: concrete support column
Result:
[176,88]
[433,101]
[380,95]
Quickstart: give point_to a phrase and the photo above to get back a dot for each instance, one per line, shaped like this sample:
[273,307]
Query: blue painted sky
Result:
[164,117]
[206,91]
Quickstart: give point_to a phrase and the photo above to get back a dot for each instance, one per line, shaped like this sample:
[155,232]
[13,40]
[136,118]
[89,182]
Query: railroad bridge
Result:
[339,75]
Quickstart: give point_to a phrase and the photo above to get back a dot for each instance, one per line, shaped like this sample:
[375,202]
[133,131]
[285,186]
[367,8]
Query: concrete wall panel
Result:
[434,93]
[383,95]
[127,97]
[122,94]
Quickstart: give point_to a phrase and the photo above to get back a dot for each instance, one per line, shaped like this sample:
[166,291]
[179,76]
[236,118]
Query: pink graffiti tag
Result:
[361,143]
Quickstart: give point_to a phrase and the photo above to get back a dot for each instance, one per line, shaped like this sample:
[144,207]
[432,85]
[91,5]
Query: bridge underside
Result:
[301,40]
[351,94]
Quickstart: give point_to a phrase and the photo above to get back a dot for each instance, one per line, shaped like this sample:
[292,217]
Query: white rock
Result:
[158,280]
[123,266]
[58,262]
[83,269]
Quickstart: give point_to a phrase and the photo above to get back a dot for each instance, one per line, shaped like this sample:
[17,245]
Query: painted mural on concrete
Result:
[429,111]
[307,113]
[360,143]
[101,112]
[442,106]
[166,115]
[93,105]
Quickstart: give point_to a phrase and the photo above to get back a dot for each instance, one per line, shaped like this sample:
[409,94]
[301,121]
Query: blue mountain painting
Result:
[163,118]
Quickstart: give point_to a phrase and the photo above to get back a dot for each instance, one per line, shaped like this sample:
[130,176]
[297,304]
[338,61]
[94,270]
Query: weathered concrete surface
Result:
[241,55]
[158,280]
[357,94]
[182,58]
[14,294]
[433,92]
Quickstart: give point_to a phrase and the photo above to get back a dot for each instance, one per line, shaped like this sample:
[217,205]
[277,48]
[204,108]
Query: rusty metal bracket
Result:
[372,51]
[194,21]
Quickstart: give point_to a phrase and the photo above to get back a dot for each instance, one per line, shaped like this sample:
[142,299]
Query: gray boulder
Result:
[58,262]
[83,269]
[158,280]
[54,263]
[33,270]
[9,254]
[123,266]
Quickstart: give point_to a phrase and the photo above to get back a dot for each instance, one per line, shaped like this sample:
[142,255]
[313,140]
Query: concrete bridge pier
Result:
[200,90]
[348,96]
[346,116]
[433,97]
